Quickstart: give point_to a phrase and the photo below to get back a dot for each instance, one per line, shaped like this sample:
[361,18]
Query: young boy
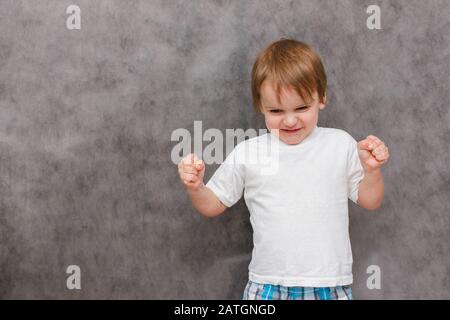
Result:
[299,215]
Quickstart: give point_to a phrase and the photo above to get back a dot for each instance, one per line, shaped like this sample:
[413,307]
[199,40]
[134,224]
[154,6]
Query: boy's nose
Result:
[290,120]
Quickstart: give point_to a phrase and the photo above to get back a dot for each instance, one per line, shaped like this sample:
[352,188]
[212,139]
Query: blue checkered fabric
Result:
[259,291]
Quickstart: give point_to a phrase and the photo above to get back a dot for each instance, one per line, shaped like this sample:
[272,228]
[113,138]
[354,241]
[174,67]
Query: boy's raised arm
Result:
[206,202]
[191,172]
[373,153]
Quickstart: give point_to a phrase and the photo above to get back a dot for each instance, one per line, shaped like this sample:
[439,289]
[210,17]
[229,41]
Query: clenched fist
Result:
[191,171]
[373,153]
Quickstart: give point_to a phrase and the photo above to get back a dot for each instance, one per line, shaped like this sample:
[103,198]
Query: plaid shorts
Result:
[259,291]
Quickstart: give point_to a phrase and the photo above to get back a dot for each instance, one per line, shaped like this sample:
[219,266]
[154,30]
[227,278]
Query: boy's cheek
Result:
[270,123]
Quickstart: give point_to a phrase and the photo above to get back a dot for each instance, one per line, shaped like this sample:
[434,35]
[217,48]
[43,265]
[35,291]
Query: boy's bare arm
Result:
[191,172]
[206,202]
[371,190]
[373,153]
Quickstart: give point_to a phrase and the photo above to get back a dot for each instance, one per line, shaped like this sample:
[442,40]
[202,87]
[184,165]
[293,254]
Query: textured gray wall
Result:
[86,118]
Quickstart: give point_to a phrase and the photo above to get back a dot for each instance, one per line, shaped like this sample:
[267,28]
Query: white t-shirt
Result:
[297,196]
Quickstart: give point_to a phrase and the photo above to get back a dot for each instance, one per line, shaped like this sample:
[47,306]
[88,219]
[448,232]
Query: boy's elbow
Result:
[215,212]
[211,215]
[372,207]
[368,206]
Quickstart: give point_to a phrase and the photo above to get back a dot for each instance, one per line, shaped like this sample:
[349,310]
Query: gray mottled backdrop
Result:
[86,118]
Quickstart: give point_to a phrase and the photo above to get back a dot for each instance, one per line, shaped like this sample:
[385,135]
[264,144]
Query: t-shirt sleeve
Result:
[355,171]
[227,182]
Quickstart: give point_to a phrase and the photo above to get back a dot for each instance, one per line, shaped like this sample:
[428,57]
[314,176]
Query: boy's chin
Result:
[290,140]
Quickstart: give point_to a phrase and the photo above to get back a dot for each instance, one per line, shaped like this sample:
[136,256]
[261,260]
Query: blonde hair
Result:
[289,63]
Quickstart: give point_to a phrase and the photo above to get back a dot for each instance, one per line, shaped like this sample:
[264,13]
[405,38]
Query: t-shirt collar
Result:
[311,137]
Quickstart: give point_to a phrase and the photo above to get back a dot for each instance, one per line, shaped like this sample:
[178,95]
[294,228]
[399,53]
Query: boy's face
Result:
[294,118]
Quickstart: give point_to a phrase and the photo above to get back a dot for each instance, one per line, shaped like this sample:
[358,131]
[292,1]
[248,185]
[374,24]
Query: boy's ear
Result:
[324,103]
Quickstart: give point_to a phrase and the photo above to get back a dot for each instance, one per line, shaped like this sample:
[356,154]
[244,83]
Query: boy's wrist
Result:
[373,172]
[197,190]
[373,175]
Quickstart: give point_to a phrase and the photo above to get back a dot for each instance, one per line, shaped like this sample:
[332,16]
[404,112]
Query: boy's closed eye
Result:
[298,109]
